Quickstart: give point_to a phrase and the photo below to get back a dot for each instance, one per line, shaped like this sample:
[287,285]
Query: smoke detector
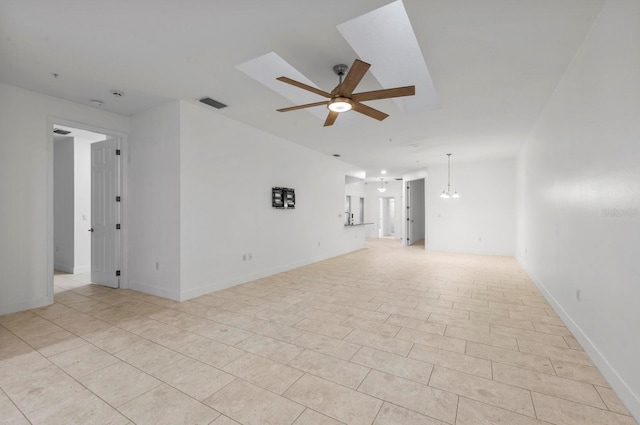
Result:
[117,93]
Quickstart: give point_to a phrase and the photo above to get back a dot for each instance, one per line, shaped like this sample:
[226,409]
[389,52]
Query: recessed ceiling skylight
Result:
[385,39]
[266,68]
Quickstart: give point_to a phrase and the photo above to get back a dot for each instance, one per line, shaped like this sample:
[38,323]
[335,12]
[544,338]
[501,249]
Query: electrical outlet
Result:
[578,295]
[244,257]
[250,256]
[157,265]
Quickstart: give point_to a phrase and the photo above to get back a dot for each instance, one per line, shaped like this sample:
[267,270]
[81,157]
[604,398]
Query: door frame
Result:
[123,139]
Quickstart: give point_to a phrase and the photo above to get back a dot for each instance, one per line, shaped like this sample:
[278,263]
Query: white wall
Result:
[227,170]
[482,220]
[154,201]
[63,204]
[26,190]
[579,209]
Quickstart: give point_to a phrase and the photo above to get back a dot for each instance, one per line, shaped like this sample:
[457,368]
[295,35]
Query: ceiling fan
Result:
[342,98]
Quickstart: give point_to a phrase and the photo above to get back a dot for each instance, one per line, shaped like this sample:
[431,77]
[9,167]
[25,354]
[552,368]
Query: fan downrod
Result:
[340,70]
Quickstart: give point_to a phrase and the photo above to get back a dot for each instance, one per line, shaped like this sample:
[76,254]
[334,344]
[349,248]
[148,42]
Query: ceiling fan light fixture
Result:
[340,104]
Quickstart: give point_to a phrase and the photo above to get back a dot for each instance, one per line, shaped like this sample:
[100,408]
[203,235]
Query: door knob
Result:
[91,230]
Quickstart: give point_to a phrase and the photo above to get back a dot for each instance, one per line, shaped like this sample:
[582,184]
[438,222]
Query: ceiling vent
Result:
[62,132]
[212,102]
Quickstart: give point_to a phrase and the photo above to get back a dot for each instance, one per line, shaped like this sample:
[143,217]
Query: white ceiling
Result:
[494,65]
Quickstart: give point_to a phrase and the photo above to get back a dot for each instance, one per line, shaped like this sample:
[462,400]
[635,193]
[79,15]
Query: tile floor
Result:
[384,336]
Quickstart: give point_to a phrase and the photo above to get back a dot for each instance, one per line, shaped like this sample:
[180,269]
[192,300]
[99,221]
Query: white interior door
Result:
[105,213]
[409,226]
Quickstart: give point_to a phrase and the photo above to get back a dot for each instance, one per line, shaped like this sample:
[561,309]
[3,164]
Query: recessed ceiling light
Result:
[117,93]
[96,103]
[414,145]
[337,155]
[383,172]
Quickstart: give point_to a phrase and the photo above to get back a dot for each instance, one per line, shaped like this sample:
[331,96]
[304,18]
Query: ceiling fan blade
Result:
[369,111]
[307,105]
[304,86]
[384,94]
[355,74]
[331,118]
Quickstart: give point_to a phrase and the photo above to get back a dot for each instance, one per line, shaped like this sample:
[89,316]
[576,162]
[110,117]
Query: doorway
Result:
[387,217]
[87,195]
[415,229]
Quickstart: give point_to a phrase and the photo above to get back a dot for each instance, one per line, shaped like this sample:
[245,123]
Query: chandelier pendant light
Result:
[381,189]
[447,193]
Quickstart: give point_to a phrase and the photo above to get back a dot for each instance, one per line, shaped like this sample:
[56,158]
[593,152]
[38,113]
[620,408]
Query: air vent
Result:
[211,102]
[63,132]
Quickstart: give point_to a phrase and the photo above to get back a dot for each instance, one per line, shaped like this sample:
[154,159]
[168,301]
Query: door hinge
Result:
[407,219]
[117,151]
[118,226]
[117,272]
[117,199]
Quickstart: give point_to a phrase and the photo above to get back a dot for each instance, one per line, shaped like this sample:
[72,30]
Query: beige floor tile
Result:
[56,343]
[536,318]
[458,322]
[448,359]
[323,328]
[12,346]
[252,405]
[324,344]
[419,325]
[484,390]
[564,354]
[330,368]
[391,414]
[443,342]
[224,420]
[547,384]
[275,330]
[167,406]
[404,312]
[579,372]
[32,390]
[503,321]
[552,329]
[472,412]
[333,400]
[263,372]
[273,349]
[85,326]
[384,329]
[113,339]
[83,360]
[311,417]
[563,412]
[149,357]
[515,358]
[384,343]
[119,383]
[208,351]
[420,398]
[573,343]
[482,338]
[414,370]
[535,336]
[612,401]
[10,415]
[196,379]
[80,409]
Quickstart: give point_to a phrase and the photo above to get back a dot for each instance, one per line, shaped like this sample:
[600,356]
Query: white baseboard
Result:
[618,384]
[24,305]
[63,268]
[152,290]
